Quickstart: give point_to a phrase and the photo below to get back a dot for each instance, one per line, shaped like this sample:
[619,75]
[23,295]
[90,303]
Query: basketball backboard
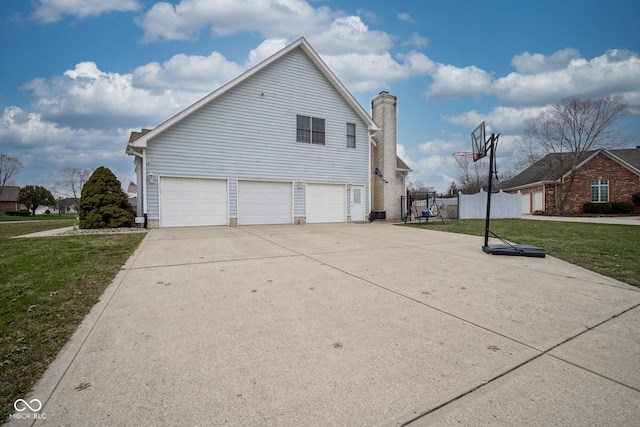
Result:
[479,142]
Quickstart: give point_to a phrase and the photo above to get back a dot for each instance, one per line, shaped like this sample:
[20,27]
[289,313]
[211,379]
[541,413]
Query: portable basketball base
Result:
[505,248]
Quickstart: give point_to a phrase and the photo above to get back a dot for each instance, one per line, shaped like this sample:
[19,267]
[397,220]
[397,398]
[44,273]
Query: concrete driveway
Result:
[347,324]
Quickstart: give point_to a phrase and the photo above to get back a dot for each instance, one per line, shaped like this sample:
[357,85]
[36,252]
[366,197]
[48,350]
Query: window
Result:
[351,135]
[599,190]
[310,130]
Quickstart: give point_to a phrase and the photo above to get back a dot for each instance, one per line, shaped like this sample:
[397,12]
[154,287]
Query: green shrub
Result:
[597,208]
[636,199]
[622,207]
[103,204]
[18,213]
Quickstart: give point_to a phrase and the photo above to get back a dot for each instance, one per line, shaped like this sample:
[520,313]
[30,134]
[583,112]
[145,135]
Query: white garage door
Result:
[526,203]
[538,204]
[265,202]
[188,202]
[326,203]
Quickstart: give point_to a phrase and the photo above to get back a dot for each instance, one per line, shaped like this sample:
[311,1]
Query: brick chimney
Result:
[386,197]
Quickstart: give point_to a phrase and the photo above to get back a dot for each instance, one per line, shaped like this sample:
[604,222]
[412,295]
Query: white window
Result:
[351,135]
[599,190]
[310,130]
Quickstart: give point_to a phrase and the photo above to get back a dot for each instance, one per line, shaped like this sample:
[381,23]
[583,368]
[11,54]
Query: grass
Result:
[51,217]
[608,249]
[47,287]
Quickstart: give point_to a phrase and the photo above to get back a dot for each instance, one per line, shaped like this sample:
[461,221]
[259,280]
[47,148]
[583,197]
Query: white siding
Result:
[250,133]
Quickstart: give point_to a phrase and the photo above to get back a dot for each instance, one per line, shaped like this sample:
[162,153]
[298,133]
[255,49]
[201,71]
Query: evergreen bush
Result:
[622,207]
[597,208]
[103,204]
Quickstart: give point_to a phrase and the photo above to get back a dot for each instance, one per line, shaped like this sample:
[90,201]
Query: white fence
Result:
[503,205]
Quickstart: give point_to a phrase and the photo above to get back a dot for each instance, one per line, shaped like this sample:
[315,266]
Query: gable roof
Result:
[9,193]
[140,139]
[553,165]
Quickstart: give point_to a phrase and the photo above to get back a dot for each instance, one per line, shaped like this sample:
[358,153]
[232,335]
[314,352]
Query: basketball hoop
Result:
[465,154]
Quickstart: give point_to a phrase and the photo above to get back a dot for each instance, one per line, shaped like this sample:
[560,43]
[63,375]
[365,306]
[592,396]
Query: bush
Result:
[622,207]
[636,199]
[103,204]
[18,213]
[597,208]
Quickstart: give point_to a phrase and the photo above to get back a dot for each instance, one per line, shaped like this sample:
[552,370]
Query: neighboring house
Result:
[67,205]
[283,143]
[602,176]
[9,199]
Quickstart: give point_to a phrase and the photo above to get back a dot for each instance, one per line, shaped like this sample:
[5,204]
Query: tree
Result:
[419,186]
[34,196]
[472,175]
[103,204]
[71,182]
[564,132]
[9,166]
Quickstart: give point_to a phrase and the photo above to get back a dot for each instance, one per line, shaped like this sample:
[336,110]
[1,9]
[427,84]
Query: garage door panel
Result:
[265,202]
[193,202]
[326,203]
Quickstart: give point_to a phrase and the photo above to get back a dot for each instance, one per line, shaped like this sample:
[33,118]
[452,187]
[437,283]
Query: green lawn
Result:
[611,250]
[47,286]
[51,217]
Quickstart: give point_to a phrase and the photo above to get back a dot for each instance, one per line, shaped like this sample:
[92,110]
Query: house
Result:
[9,199]
[283,143]
[604,175]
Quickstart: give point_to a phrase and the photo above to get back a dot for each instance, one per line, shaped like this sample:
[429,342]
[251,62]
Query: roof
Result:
[554,165]
[402,166]
[140,139]
[9,193]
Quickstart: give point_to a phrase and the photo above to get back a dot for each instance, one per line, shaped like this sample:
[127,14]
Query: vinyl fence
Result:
[503,205]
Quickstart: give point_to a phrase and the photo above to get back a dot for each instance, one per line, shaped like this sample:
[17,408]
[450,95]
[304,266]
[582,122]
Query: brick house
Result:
[9,199]
[602,176]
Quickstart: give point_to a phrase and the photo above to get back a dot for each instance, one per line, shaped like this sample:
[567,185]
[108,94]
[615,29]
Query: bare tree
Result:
[472,175]
[419,186]
[564,132]
[9,166]
[71,182]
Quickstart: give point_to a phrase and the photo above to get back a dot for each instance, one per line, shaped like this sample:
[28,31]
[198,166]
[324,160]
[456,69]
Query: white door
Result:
[326,203]
[193,202]
[265,202]
[526,203]
[537,201]
[357,203]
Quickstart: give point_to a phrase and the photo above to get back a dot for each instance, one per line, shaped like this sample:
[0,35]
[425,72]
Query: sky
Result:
[77,76]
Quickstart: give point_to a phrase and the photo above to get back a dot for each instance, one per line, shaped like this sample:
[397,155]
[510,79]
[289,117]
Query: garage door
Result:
[188,202]
[526,203]
[265,202]
[326,203]
[537,201]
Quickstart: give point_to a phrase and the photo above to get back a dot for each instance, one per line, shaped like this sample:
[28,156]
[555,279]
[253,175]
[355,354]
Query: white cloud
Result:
[615,72]
[450,82]
[263,51]
[272,18]
[373,72]
[46,147]
[47,11]
[416,40]
[87,97]
[182,72]
[403,16]
[539,63]
[502,119]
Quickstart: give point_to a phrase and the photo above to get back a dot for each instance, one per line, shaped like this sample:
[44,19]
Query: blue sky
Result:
[78,75]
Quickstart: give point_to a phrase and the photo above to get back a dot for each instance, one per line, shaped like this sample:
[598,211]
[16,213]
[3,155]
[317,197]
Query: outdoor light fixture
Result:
[300,185]
[151,178]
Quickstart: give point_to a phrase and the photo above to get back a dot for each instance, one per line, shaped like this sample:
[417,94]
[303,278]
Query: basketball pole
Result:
[491,144]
